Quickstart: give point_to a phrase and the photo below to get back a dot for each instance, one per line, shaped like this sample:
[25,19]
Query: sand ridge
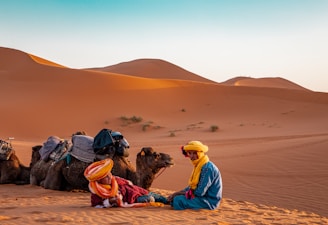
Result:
[37,205]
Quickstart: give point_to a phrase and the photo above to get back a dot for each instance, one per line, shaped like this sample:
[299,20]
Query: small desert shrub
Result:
[145,127]
[136,119]
[194,126]
[183,110]
[172,134]
[214,128]
[148,126]
[133,119]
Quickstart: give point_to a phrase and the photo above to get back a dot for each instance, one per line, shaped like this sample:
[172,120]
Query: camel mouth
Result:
[169,163]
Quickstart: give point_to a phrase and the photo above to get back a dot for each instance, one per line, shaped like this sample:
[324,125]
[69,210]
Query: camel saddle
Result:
[54,148]
[60,151]
[102,140]
[5,150]
[82,148]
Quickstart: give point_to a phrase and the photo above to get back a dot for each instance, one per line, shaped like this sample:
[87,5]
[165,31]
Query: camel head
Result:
[35,155]
[149,163]
[148,159]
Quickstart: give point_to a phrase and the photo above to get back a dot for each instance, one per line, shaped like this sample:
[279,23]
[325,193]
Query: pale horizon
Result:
[218,40]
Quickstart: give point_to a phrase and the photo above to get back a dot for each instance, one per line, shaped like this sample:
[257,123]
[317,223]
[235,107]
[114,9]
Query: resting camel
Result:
[80,150]
[12,171]
[64,176]
[67,174]
[39,167]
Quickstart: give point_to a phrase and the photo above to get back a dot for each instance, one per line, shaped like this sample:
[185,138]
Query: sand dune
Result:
[153,68]
[44,61]
[271,82]
[270,144]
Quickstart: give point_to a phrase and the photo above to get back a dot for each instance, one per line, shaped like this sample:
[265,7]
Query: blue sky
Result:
[217,39]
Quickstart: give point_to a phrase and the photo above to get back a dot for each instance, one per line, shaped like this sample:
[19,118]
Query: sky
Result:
[216,39]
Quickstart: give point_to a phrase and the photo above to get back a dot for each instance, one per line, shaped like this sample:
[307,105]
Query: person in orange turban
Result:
[108,190]
[204,190]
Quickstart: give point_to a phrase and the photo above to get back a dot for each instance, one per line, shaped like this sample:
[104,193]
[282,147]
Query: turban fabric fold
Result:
[195,146]
[97,171]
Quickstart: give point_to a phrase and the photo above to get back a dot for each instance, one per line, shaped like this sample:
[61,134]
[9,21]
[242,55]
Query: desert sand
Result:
[269,138]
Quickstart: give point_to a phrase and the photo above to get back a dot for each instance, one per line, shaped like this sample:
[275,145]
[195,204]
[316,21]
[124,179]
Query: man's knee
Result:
[179,202]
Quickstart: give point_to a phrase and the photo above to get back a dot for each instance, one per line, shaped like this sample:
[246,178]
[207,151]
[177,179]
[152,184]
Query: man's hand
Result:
[172,196]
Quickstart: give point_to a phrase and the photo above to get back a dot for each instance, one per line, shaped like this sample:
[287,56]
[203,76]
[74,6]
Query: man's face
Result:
[192,155]
[106,180]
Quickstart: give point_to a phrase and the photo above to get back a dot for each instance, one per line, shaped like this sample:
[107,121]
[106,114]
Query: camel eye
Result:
[156,155]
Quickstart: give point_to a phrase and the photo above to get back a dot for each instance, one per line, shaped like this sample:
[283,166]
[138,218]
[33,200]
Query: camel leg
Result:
[33,180]
[54,177]
[24,176]
[9,172]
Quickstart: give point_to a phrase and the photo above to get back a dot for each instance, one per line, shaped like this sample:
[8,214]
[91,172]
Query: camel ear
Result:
[142,153]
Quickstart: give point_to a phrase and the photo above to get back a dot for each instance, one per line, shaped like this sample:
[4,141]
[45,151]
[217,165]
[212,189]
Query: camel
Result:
[45,157]
[12,171]
[39,167]
[67,173]
[68,176]
[148,164]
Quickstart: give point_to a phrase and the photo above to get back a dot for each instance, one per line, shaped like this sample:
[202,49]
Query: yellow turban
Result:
[195,146]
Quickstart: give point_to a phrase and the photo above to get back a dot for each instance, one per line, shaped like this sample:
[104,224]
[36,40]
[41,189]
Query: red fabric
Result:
[130,192]
[96,200]
[190,194]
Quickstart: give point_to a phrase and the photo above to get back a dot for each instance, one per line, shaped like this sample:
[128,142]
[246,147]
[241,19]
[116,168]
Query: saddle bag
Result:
[103,142]
[49,146]
[5,150]
[60,150]
[82,148]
